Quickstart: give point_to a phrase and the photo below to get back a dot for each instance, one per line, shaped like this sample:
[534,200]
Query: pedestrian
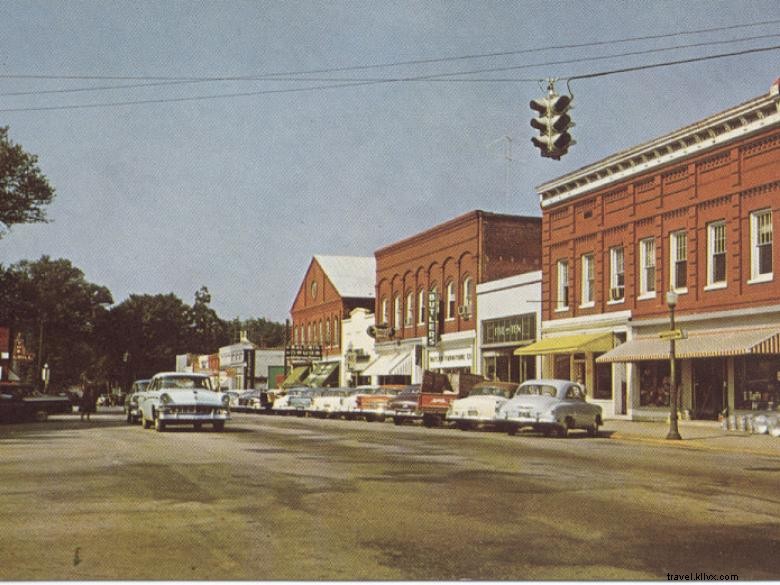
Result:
[88,403]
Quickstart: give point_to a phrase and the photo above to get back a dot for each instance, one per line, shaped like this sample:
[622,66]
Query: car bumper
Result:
[473,419]
[191,417]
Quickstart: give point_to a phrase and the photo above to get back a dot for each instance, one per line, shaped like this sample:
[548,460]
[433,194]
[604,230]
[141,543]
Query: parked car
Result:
[176,398]
[300,403]
[132,413]
[282,403]
[368,403]
[245,400]
[22,402]
[550,406]
[404,405]
[480,407]
[328,403]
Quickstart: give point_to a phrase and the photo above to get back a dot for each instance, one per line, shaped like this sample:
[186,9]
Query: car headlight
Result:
[165,399]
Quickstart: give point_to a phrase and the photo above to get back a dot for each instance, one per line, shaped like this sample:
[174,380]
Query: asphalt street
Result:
[281,498]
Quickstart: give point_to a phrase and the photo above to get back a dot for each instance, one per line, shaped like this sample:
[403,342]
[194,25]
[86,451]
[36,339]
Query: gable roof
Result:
[352,276]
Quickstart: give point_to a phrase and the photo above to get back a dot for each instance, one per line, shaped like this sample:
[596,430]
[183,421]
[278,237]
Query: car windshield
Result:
[186,382]
[490,391]
[140,386]
[537,390]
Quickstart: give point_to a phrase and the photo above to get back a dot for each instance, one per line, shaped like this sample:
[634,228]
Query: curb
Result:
[692,444]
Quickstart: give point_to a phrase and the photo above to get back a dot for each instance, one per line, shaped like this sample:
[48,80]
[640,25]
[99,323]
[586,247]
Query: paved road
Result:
[277,498]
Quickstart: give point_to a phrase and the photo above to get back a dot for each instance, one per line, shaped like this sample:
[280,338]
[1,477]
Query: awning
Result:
[720,343]
[583,343]
[295,378]
[392,364]
[321,373]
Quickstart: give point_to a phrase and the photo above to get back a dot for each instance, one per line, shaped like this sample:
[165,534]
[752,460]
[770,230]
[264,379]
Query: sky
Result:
[235,184]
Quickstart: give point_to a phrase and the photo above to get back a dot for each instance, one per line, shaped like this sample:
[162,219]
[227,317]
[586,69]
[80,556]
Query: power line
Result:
[441,77]
[396,63]
[370,82]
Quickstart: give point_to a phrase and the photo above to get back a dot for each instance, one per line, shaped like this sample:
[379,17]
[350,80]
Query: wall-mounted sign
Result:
[515,329]
[433,318]
[450,358]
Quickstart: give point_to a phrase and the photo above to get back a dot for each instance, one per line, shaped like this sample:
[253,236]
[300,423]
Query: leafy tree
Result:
[59,310]
[209,332]
[263,332]
[24,190]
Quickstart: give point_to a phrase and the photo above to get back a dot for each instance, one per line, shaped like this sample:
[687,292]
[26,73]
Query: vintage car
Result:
[404,405]
[282,403]
[300,402]
[479,408]
[550,406]
[22,402]
[328,403]
[369,403]
[132,414]
[178,398]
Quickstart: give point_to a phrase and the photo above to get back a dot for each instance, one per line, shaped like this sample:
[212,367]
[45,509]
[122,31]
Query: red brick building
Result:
[331,288]
[426,290]
[692,212]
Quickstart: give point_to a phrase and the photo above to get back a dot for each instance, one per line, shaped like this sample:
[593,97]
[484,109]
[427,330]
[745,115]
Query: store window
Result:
[716,254]
[562,366]
[409,318]
[588,293]
[761,245]
[603,388]
[757,382]
[654,383]
[647,264]
[562,302]
[679,261]
[617,277]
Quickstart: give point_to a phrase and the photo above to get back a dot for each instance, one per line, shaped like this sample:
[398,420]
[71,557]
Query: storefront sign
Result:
[450,358]
[433,318]
[516,329]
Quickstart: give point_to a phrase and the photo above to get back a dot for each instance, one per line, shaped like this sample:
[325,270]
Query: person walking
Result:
[88,403]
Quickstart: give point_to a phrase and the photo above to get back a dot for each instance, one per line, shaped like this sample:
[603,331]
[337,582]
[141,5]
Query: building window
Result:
[336,332]
[467,293]
[422,302]
[563,286]
[397,310]
[409,315]
[716,257]
[761,245]
[319,334]
[588,297]
[647,263]
[385,311]
[679,261]
[309,338]
[617,276]
[327,332]
[451,300]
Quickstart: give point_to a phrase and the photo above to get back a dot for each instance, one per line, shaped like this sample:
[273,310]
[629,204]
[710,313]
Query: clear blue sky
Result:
[237,193]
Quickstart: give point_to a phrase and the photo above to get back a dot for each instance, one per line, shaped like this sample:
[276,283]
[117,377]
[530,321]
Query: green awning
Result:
[321,374]
[583,343]
[295,378]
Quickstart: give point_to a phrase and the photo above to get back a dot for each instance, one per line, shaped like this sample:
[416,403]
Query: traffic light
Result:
[553,124]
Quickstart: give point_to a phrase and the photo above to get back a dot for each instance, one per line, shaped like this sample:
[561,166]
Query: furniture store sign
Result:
[450,358]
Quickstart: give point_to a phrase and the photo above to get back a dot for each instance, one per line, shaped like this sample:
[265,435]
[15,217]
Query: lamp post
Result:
[45,377]
[674,433]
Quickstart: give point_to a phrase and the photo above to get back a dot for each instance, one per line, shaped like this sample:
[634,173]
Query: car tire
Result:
[593,430]
[462,426]
[397,420]
[562,431]
[146,423]
[198,426]
[511,430]
[159,425]
[219,426]
[129,418]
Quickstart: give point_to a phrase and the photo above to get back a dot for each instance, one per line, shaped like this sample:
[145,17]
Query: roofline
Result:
[717,130]
[475,214]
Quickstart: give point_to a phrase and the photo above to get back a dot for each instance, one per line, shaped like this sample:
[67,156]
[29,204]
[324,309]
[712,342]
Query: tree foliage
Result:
[24,190]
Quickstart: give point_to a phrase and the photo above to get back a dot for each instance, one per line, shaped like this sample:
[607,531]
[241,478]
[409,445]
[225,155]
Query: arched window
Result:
[336,332]
[468,297]
[409,319]
[397,311]
[385,311]
[421,304]
[309,339]
[451,301]
[327,332]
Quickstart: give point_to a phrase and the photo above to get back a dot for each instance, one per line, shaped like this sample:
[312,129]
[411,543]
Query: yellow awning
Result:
[703,344]
[295,377]
[583,343]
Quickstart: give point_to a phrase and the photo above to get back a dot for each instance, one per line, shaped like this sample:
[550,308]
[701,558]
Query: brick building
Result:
[426,291]
[331,288]
[693,212]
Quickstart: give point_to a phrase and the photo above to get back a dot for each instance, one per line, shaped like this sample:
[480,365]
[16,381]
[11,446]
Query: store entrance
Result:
[709,382]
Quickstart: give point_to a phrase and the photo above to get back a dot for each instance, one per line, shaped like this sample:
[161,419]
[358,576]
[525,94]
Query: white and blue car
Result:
[178,398]
[551,406]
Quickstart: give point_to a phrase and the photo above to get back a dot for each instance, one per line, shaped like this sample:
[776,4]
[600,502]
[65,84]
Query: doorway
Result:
[709,382]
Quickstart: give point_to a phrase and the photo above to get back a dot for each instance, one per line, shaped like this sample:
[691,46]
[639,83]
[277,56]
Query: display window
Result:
[757,383]
[654,383]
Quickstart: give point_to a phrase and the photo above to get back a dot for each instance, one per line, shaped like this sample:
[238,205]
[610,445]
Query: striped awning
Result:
[582,343]
[295,378]
[721,343]
[321,374]
[392,364]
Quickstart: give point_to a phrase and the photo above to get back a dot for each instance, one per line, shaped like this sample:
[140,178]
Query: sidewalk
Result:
[695,435]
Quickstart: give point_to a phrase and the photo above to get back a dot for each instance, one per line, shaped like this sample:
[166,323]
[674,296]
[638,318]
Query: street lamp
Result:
[674,433]
[45,377]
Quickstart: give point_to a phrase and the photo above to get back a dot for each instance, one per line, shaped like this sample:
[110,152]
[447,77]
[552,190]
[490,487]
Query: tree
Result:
[209,332]
[24,190]
[263,332]
[59,310]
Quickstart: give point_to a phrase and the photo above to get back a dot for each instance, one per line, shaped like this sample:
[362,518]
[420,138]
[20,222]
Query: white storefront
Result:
[509,312]
[357,347]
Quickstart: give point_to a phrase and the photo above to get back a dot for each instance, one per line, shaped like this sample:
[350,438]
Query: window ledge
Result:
[681,291]
[561,309]
[716,286]
[589,305]
[646,296]
[762,278]
[617,301]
